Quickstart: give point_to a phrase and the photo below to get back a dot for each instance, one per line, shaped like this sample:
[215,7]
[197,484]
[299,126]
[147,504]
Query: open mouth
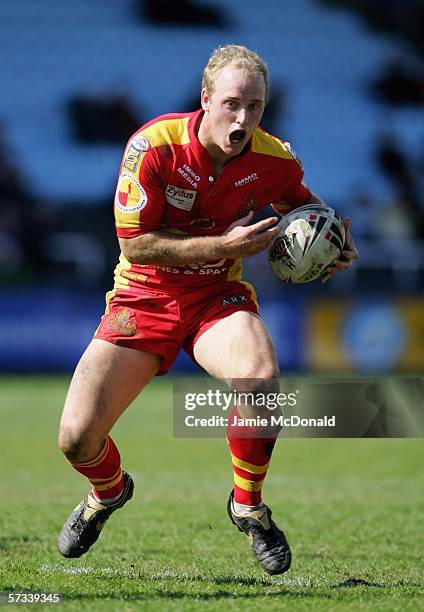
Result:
[237,136]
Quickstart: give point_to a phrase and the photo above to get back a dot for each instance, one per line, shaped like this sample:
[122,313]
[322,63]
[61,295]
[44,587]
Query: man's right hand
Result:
[243,240]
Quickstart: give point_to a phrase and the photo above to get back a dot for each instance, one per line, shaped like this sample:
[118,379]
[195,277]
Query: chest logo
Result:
[180,197]
[189,175]
[247,179]
[242,211]
[205,223]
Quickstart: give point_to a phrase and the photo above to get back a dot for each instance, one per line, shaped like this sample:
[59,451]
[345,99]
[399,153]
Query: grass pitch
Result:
[350,509]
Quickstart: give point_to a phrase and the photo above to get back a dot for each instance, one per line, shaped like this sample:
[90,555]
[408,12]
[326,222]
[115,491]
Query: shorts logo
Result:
[180,197]
[130,195]
[123,322]
[234,300]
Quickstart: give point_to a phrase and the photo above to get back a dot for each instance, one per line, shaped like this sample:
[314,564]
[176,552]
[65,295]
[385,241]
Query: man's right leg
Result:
[107,379]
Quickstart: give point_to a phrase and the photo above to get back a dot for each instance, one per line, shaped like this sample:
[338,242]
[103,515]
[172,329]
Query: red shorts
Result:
[163,322]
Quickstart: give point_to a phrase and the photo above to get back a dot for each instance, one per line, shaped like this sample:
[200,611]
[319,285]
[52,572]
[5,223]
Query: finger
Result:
[342,261]
[346,223]
[241,222]
[246,219]
[267,236]
[271,231]
[341,265]
[260,226]
[263,240]
[350,254]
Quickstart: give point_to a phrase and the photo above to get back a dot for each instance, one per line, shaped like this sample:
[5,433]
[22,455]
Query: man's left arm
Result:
[349,253]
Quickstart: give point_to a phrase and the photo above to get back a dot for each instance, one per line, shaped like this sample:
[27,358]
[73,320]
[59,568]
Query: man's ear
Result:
[204,99]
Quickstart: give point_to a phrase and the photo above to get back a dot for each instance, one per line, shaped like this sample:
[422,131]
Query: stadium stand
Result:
[56,190]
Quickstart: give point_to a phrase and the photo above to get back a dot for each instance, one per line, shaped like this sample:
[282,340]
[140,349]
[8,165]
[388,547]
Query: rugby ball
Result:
[309,239]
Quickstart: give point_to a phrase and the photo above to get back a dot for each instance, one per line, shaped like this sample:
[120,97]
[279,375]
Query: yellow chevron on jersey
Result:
[236,270]
[168,131]
[265,143]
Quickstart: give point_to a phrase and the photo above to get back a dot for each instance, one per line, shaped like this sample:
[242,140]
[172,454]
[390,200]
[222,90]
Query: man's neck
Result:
[218,157]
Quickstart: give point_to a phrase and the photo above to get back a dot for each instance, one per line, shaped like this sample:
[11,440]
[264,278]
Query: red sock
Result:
[104,471]
[250,457]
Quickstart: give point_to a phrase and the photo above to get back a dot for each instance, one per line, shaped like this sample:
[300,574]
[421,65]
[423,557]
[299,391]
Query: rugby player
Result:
[188,191]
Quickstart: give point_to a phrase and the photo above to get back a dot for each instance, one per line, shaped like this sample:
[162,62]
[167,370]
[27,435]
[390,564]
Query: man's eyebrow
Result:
[235,98]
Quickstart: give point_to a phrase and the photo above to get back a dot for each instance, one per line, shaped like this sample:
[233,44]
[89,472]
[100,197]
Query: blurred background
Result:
[347,90]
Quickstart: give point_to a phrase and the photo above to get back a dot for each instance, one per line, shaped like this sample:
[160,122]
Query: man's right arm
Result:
[164,248]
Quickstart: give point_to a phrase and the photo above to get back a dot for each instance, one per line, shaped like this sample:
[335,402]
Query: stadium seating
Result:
[324,58]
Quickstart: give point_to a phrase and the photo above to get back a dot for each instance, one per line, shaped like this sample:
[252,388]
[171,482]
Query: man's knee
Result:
[257,396]
[257,378]
[77,445]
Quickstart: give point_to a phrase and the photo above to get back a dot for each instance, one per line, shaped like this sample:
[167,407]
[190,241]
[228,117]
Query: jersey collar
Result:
[193,128]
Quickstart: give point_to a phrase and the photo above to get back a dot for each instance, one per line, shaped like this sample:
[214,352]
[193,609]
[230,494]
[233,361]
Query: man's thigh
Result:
[106,380]
[237,346]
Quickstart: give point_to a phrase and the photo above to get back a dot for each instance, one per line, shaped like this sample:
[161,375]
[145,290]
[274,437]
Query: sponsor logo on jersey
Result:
[247,179]
[140,278]
[130,195]
[131,158]
[203,223]
[234,300]
[180,197]
[189,175]
[141,143]
[137,146]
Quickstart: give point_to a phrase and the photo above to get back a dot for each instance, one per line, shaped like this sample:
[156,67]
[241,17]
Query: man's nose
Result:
[242,118]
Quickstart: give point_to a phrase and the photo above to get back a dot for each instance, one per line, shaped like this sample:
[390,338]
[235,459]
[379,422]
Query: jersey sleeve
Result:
[295,196]
[296,192]
[139,197]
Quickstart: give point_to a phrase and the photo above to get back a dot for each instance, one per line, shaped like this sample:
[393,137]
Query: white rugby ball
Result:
[309,239]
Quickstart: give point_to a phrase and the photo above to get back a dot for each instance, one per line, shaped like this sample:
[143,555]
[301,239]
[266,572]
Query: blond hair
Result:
[235,55]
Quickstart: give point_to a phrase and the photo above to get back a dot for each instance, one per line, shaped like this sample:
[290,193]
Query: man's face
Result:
[233,110]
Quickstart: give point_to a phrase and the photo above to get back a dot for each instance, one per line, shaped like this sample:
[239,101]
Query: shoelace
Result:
[271,536]
[79,523]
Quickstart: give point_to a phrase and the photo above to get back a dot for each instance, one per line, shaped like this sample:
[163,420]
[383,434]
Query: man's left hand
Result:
[347,256]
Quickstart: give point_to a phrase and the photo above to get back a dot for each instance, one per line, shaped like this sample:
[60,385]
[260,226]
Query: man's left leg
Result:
[239,350]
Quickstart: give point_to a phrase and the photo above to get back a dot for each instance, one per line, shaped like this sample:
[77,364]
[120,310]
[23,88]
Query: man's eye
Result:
[231,104]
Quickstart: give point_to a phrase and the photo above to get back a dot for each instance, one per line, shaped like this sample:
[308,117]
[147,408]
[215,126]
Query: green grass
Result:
[351,510]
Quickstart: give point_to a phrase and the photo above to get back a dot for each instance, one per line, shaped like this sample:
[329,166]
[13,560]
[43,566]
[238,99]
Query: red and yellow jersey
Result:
[167,183]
